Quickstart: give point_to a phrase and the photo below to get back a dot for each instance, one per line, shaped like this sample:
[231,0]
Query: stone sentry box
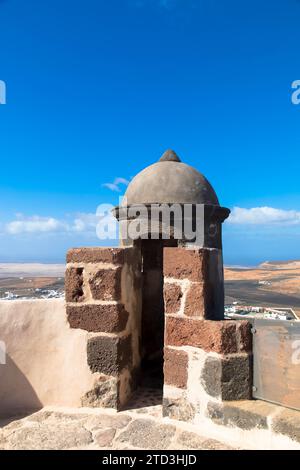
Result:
[154,308]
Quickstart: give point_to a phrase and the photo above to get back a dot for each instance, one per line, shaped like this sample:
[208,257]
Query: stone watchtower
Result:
[157,303]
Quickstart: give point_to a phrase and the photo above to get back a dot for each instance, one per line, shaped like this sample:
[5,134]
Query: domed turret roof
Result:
[170,181]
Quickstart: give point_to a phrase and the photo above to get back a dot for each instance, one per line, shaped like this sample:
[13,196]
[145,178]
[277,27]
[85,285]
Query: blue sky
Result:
[97,90]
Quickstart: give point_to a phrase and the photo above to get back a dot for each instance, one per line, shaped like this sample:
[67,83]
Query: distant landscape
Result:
[31,281]
[275,284]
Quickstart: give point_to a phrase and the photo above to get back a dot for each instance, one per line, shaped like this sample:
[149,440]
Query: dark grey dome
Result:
[170,181]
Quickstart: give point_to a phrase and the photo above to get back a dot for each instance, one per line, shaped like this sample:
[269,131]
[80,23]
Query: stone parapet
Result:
[96,255]
[193,282]
[103,297]
[193,378]
[223,337]
[205,359]
[268,420]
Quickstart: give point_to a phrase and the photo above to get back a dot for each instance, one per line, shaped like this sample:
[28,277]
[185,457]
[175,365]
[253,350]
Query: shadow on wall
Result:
[20,391]
[46,360]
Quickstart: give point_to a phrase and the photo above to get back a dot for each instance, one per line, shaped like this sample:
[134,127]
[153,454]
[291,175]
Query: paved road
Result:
[251,293]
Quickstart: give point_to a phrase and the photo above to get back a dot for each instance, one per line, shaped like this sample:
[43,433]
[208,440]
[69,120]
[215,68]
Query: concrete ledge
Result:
[287,422]
[256,414]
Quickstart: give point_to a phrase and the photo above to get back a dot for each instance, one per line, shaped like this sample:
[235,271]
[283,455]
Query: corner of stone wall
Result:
[204,360]
[103,297]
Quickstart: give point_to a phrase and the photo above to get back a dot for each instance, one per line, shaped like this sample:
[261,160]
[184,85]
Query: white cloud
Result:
[35,224]
[82,222]
[121,181]
[112,187]
[263,216]
[115,186]
[85,222]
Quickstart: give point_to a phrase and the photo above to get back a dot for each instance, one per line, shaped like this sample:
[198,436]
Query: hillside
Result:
[269,284]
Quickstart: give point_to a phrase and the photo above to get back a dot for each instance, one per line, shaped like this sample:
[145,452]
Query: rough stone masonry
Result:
[103,295]
[204,360]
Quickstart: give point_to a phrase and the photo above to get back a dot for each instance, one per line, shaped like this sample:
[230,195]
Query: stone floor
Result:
[139,427]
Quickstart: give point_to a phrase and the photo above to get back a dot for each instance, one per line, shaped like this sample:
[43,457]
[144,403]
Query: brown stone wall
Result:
[96,255]
[194,378]
[182,263]
[205,357]
[103,295]
[204,360]
[175,367]
[193,282]
[227,377]
[222,337]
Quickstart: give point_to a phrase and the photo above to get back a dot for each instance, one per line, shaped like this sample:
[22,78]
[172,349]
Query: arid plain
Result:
[275,284]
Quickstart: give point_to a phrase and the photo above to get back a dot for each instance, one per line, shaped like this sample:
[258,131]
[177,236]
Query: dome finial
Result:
[169,156]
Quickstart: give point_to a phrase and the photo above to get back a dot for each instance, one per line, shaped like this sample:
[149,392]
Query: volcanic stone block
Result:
[181,263]
[197,300]
[96,255]
[287,422]
[218,336]
[224,336]
[74,284]
[105,393]
[211,376]
[178,408]
[172,297]
[106,284]
[109,355]
[107,421]
[236,379]
[175,367]
[107,318]
[192,440]
[147,434]
[244,336]
[104,437]
[228,378]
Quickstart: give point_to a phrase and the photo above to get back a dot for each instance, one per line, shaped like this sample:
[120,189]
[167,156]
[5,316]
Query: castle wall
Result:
[206,361]
[45,360]
[103,295]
